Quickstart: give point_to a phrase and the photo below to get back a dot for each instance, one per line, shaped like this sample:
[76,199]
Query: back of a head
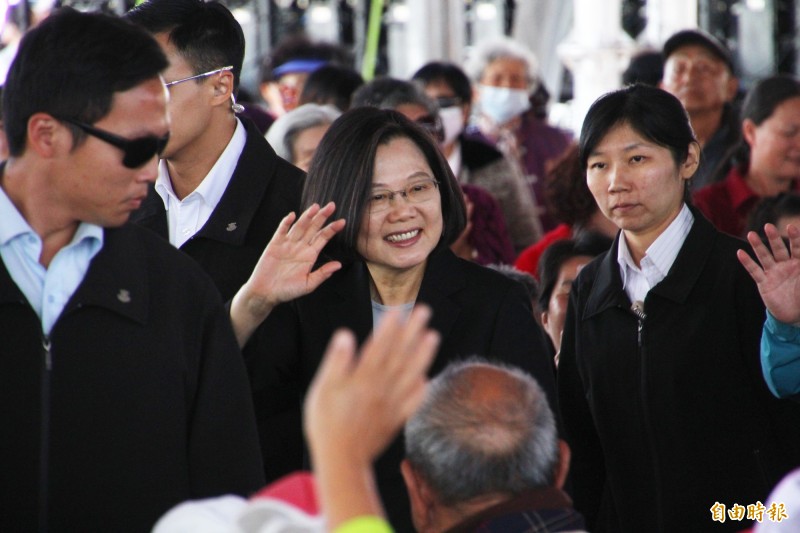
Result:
[287,127]
[447,73]
[645,67]
[389,93]
[566,192]
[653,113]
[331,84]
[588,244]
[766,95]
[484,429]
[206,34]
[771,209]
[71,65]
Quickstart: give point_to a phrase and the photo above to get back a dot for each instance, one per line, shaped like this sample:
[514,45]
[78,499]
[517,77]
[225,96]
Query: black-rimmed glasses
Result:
[196,76]
[137,151]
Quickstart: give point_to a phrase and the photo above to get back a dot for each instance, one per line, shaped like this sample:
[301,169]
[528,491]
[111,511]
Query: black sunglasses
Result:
[137,151]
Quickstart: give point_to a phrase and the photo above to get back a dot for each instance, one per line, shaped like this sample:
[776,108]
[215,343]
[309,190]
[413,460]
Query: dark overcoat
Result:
[669,415]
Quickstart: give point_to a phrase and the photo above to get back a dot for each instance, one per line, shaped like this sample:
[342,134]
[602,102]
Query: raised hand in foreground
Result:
[357,404]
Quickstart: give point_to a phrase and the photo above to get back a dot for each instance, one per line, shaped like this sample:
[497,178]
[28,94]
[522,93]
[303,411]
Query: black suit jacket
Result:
[263,189]
[136,400]
[476,310]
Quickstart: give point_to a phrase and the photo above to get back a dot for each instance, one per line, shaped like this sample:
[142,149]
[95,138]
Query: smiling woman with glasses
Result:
[137,151]
[403,208]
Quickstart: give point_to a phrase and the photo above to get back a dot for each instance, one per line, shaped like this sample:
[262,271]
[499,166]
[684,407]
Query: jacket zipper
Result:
[44,443]
[638,310]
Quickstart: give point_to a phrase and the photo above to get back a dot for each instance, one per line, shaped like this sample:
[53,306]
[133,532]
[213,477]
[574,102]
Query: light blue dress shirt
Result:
[47,290]
[780,357]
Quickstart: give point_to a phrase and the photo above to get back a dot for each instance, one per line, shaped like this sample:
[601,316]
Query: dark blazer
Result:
[666,420]
[136,401]
[476,310]
[263,189]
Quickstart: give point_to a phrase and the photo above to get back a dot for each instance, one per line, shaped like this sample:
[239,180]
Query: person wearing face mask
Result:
[504,72]
[472,159]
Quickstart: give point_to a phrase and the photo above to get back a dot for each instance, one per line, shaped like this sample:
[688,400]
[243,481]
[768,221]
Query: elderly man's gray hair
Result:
[471,438]
[491,50]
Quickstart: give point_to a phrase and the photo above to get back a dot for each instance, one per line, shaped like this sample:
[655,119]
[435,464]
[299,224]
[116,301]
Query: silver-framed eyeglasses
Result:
[196,76]
[416,193]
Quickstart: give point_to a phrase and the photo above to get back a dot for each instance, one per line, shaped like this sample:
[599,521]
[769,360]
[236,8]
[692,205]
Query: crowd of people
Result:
[393,304]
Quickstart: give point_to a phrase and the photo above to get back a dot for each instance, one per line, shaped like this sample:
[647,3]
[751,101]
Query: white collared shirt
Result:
[186,217]
[47,289]
[657,260]
[455,160]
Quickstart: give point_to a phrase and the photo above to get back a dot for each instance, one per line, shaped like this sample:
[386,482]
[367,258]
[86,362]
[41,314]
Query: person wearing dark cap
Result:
[699,71]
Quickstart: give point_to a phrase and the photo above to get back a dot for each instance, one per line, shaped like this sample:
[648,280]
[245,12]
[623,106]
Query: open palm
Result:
[285,270]
[778,275]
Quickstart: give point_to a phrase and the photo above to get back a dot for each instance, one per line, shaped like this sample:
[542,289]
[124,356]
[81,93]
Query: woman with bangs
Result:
[660,386]
[402,209]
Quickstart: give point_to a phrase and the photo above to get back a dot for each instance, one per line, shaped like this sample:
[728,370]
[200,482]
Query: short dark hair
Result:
[653,113]
[70,66]
[770,209]
[589,244]
[448,73]
[206,34]
[331,84]
[389,93]
[342,168]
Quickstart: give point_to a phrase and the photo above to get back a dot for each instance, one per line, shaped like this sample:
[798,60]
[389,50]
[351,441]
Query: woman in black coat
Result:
[663,404]
[402,208]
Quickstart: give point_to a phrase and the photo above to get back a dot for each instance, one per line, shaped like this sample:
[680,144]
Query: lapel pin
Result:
[124,296]
[231,227]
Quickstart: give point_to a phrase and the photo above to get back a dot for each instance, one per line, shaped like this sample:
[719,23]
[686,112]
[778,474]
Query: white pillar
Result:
[597,52]
[421,31]
[665,17]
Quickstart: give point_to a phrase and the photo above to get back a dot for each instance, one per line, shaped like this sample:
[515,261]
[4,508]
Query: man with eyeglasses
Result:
[221,190]
[122,388]
[698,71]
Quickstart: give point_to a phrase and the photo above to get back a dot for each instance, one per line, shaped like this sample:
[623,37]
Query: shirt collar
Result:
[216,181]
[662,253]
[15,225]
[455,159]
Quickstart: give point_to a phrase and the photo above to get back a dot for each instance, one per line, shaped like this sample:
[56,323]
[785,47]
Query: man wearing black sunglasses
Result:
[122,386]
[221,190]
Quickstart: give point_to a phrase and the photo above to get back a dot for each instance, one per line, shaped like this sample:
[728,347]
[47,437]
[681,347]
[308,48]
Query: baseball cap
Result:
[701,38]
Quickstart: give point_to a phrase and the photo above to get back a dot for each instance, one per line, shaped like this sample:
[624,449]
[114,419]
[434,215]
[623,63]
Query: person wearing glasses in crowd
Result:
[475,161]
[221,190]
[486,239]
[402,209]
[123,386]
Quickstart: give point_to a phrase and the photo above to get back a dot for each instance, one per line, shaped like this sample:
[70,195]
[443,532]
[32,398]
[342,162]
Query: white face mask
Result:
[453,122]
[501,104]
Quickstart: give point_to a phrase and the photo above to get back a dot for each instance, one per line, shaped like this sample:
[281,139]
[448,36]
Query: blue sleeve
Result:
[780,357]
